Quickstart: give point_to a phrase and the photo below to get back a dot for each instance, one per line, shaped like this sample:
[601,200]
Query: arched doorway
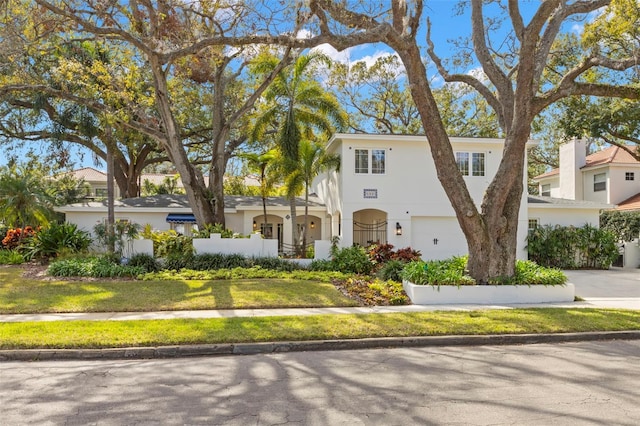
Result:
[272,230]
[369,227]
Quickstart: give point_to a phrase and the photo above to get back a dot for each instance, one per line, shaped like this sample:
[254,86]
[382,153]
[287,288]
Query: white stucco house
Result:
[386,191]
[608,176]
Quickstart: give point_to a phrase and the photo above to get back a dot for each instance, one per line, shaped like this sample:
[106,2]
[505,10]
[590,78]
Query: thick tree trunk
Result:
[491,233]
[216,179]
[197,192]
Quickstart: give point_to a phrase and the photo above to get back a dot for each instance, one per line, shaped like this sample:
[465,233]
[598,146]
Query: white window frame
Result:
[361,156]
[370,161]
[535,221]
[629,176]
[599,182]
[472,164]
[545,190]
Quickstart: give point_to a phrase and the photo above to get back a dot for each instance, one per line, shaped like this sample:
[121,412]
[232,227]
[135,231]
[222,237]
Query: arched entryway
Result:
[369,227]
[272,229]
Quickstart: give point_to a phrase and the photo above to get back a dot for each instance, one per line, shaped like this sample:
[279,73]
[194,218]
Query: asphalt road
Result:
[561,384]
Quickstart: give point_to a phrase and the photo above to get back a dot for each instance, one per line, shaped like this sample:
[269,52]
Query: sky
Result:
[446,25]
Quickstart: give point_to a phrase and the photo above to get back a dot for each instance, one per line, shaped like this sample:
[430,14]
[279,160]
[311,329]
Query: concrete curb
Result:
[319,345]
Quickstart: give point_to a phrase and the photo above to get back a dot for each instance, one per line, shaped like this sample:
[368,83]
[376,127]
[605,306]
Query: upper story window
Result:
[375,157]
[471,162]
[629,176]
[545,190]
[600,182]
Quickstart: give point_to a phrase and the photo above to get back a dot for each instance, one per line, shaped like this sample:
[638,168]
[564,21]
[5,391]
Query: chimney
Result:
[573,155]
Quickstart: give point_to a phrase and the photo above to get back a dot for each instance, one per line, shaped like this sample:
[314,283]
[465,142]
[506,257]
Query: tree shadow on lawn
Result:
[25,295]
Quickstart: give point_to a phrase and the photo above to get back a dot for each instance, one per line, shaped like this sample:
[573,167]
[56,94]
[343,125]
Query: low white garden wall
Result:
[254,246]
[488,294]
[632,254]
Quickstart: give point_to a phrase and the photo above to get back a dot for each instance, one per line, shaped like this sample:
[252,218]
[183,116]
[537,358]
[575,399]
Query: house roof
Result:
[611,155]
[631,203]
[180,202]
[544,202]
[88,174]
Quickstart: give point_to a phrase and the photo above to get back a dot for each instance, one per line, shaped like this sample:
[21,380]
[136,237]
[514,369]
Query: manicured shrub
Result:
[453,271]
[572,248]
[391,270]
[97,267]
[274,263]
[146,261]
[450,271]
[352,259]
[321,265]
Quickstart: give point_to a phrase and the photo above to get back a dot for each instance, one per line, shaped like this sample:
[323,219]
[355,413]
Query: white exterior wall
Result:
[86,220]
[564,216]
[620,188]
[554,183]
[572,157]
[589,193]
[409,191]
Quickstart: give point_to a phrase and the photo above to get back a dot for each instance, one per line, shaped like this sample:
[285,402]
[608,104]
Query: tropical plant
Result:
[57,239]
[624,225]
[23,198]
[298,108]
[124,232]
[572,248]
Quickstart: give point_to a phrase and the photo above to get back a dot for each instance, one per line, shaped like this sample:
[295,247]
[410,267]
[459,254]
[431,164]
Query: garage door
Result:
[437,237]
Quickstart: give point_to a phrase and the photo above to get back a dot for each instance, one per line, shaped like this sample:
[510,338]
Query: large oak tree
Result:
[519,84]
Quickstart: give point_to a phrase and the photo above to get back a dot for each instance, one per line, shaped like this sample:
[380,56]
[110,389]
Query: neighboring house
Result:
[609,176]
[386,191]
[96,181]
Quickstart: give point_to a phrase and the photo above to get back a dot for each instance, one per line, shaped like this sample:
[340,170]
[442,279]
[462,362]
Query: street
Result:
[560,384]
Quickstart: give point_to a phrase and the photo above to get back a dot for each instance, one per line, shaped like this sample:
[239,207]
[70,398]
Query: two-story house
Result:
[386,191]
[610,176]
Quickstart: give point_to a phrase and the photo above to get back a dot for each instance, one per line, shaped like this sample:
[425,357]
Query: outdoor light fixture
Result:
[255,225]
[313,225]
[398,229]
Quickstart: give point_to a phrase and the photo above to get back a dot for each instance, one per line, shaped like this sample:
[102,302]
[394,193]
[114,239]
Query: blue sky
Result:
[446,25]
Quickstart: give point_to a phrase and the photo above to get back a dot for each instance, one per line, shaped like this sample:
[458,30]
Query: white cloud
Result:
[577,28]
[478,73]
[328,50]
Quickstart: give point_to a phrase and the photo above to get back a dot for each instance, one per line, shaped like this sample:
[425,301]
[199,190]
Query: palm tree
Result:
[262,163]
[299,108]
[23,199]
[313,161]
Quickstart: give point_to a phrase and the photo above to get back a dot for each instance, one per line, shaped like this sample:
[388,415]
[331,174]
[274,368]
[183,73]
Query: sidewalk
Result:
[611,302]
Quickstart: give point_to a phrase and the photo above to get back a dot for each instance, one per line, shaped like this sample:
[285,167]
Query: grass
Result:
[103,334]
[20,295]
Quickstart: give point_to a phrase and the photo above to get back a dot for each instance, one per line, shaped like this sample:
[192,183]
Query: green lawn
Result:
[20,295]
[104,334]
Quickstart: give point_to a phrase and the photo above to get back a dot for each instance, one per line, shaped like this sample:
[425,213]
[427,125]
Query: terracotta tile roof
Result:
[611,155]
[89,174]
[631,203]
[550,173]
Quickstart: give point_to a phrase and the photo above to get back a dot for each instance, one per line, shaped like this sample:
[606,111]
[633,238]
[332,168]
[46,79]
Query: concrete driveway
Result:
[614,288]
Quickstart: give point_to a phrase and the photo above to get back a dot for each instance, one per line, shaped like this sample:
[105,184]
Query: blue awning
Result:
[181,218]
